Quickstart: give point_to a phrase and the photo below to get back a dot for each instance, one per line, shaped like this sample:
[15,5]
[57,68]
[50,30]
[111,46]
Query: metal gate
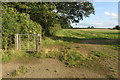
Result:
[28,42]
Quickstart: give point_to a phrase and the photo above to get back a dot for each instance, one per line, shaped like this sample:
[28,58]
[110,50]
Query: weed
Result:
[116,47]
[111,77]
[36,55]
[77,47]
[52,54]
[96,54]
[68,48]
[11,54]
[72,58]
[20,70]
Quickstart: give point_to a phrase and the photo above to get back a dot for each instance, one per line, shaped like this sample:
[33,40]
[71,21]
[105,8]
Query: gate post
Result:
[16,42]
[38,42]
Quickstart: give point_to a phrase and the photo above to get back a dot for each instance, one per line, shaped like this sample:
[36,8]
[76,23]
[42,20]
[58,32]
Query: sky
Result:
[106,16]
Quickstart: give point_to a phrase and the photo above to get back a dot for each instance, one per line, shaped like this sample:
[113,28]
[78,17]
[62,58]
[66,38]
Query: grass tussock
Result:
[20,70]
[8,55]
[74,58]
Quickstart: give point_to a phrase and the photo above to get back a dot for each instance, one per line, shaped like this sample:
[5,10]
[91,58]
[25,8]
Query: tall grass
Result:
[8,55]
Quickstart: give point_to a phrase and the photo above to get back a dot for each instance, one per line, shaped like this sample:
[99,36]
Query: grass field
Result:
[94,49]
[92,36]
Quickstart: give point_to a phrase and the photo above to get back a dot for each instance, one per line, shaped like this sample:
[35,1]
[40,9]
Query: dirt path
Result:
[47,68]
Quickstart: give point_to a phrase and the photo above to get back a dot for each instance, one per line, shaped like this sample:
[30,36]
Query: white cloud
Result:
[113,16]
[106,0]
[107,13]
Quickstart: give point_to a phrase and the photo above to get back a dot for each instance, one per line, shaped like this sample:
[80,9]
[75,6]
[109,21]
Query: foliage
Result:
[72,58]
[96,54]
[117,27]
[45,13]
[53,30]
[111,77]
[11,54]
[16,23]
[33,55]
[29,18]
[20,70]
[75,11]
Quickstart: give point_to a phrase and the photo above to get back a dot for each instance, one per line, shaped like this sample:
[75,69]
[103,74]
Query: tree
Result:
[40,12]
[29,17]
[75,11]
[88,27]
[117,27]
[66,12]
[92,27]
[13,23]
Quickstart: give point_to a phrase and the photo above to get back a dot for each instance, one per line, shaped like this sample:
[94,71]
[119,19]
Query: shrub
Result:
[11,54]
[52,30]
[13,23]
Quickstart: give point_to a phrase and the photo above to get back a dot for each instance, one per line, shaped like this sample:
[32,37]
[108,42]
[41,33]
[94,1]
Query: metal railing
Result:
[28,42]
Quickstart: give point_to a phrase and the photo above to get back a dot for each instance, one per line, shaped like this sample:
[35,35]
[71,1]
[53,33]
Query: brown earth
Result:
[53,68]
[47,68]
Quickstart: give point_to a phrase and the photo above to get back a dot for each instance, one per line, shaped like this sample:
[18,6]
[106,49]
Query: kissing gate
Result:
[28,42]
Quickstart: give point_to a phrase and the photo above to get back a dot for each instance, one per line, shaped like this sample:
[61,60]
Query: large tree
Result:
[49,14]
[75,11]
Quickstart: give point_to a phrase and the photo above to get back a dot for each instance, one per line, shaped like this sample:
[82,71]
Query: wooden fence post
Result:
[38,42]
[28,41]
[16,42]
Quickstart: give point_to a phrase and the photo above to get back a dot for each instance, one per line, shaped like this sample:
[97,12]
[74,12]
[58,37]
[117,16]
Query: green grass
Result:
[72,44]
[65,37]
[74,58]
[107,34]
[71,58]
[20,70]
[111,77]
[97,54]
[70,35]
[12,54]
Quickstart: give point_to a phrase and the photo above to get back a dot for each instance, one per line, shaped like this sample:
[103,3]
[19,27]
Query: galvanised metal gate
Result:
[28,42]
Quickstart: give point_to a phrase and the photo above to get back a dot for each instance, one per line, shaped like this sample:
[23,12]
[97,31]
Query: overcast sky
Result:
[106,16]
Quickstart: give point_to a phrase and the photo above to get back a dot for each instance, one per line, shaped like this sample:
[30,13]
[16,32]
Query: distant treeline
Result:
[117,27]
[87,28]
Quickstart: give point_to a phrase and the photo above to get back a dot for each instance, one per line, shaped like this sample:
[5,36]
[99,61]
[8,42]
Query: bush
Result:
[11,54]
[52,30]
[117,27]
[13,23]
